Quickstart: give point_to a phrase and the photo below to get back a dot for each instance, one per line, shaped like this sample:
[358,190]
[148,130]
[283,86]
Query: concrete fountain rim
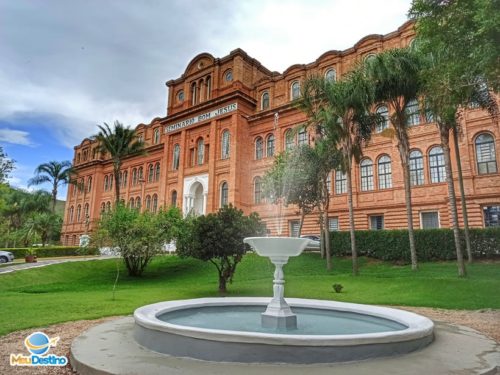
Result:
[418,326]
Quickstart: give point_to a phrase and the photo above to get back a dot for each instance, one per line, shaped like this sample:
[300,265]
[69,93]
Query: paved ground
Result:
[109,348]
[6,268]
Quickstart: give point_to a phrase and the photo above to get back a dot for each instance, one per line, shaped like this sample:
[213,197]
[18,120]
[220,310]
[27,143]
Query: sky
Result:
[67,66]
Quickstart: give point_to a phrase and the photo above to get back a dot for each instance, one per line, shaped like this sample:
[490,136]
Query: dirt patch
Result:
[485,321]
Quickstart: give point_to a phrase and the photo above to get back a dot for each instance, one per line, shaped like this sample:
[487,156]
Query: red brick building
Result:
[227,117]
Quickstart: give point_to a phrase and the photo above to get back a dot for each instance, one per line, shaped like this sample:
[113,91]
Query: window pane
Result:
[485,154]
[340,182]
[270,145]
[294,228]
[384,173]
[366,175]
[416,168]
[382,111]
[436,163]
[491,216]
[302,136]
[333,223]
[377,222]
[430,220]
[225,144]
[412,111]
[259,148]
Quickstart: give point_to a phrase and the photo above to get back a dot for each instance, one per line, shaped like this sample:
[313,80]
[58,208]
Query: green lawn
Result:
[82,290]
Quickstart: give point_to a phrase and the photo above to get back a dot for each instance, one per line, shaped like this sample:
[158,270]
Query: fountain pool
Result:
[263,330]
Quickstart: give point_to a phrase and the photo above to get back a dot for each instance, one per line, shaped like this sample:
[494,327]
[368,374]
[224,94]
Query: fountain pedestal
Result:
[278,314]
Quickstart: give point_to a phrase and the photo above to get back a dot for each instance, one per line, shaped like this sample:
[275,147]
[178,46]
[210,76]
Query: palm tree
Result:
[444,96]
[55,173]
[341,108]
[119,143]
[395,74]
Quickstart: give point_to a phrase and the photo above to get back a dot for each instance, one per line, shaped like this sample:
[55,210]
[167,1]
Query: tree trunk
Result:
[322,242]
[301,222]
[328,253]
[354,251]
[409,209]
[222,284]
[445,145]
[54,198]
[462,196]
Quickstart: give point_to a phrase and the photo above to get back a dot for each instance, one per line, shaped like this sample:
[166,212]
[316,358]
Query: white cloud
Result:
[17,137]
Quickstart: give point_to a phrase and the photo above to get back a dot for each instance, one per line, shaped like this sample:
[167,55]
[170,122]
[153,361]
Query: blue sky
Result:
[67,66]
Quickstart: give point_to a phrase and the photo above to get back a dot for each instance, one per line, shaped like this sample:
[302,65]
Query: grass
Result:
[82,290]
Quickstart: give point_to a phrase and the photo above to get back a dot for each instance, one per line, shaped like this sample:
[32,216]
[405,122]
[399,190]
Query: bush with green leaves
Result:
[431,244]
[218,239]
[137,236]
[53,251]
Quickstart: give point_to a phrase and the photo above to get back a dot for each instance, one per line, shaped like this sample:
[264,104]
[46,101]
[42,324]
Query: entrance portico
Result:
[195,195]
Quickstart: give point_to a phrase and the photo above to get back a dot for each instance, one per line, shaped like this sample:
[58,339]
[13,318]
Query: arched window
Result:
[225,144]
[78,213]
[78,157]
[156,136]
[436,164]
[264,101]
[157,172]
[110,182]
[270,145]
[366,175]
[289,139]
[148,202]
[329,183]
[155,203]
[120,178]
[86,211]
[331,75]
[131,203]
[103,208]
[201,152]
[485,154]
[134,177]
[138,203]
[74,240]
[259,148]
[200,90]
[295,90]
[194,92]
[81,186]
[180,96]
[340,182]
[369,57]
[257,190]
[383,112]
[176,156]
[140,175]
[412,113]
[106,186]
[224,194]
[173,199]
[228,75]
[151,172]
[124,181]
[384,172]
[108,206]
[302,137]
[71,213]
[416,168]
[209,87]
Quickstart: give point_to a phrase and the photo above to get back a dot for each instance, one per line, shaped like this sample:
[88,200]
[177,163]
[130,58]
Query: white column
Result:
[204,207]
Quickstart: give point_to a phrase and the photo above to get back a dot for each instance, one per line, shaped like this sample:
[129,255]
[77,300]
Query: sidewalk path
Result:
[48,262]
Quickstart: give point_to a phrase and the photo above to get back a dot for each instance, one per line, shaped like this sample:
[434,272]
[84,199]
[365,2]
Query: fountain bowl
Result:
[234,345]
[277,246]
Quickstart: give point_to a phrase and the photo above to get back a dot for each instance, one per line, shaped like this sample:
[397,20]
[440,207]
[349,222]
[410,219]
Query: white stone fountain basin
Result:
[277,246]
[239,346]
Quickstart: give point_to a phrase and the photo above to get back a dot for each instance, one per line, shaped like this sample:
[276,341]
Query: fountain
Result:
[256,330]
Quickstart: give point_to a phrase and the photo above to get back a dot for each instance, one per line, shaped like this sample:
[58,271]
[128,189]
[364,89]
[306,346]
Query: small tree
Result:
[138,236]
[218,239]
[6,165]
[44,225]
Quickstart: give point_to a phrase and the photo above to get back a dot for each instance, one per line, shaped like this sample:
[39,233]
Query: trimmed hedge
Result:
[53,251]
[431,244]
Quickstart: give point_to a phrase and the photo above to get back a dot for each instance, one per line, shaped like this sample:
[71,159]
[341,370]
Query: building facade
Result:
[228,117]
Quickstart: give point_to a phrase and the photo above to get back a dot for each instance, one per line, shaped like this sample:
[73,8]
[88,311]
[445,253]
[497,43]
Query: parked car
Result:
[314,241]
[6,256]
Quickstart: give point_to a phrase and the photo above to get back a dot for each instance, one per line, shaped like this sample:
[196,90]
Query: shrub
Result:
[53,251]
[431,244]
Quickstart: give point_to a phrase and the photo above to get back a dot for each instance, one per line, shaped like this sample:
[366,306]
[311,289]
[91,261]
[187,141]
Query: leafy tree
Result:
[55,173]
[341,110]
[42,224]
[218,239]
[459,41]
[6,165]
[468,32]
[395,74]
[138,236]
[120,142]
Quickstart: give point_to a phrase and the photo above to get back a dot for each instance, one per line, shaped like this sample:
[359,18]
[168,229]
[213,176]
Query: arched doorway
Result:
[195,195]
[198,201]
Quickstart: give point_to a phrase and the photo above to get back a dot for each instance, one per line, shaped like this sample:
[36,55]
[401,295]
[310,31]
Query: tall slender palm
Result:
[55,173]
[444,97]
[395,74]
[341,109]
[119,142]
